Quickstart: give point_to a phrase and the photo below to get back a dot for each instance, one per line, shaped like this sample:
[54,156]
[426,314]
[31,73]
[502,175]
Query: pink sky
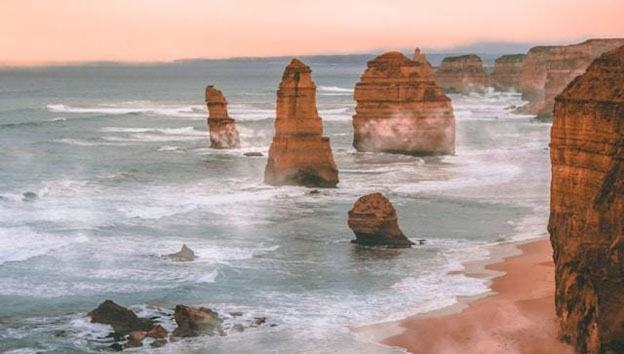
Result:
[36,31]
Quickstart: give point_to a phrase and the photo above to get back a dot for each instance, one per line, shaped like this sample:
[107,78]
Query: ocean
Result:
[106,167]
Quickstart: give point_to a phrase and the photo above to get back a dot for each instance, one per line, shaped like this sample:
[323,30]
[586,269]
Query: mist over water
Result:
[106,168]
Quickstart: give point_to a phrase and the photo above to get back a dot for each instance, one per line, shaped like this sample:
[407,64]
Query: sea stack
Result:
[506,74]
[462,74]
[299,153]
[400,109]
[587,206]
[223,132]
[547,70]
[375,223]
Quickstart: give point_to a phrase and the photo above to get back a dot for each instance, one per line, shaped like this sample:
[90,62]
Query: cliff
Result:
[299,153]
[400,109]
[587,206]
[223,132]
[506,74]
[462,74]
[548,70]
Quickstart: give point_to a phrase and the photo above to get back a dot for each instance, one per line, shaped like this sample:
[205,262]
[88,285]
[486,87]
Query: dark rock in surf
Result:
[193,322]
[184,255]
[120,318]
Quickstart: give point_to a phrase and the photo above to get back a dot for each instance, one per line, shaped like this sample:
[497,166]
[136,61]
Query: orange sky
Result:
[36,31]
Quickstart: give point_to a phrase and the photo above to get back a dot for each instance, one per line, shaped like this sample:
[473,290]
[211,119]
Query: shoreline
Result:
[517,315]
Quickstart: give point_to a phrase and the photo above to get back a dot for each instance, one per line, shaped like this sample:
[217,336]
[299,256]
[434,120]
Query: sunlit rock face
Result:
[223,132]
[547,70]
[374,221]
[400,109]
[587,206]
[506,74]
[299,153]
[462,74]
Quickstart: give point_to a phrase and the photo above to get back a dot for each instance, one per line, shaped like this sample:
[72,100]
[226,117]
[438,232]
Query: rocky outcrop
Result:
[400,109]
[299,153]
[194,322]
[462,74]
[375,223]
[506,74]
[223,132]
[120,318]
[587,206]
[185,254]
[547,70]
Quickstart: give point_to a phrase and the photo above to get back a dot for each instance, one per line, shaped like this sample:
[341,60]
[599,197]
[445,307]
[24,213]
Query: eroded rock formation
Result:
[299,153]
[374,221]
[462,74]
[587,206]
[120,318]
[194,322]
[547,70]
[400,109]
[223,132]
[506,74]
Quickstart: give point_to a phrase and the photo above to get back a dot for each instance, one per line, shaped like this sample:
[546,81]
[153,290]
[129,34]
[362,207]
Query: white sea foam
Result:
[22,243]
[335,89]
[189,111]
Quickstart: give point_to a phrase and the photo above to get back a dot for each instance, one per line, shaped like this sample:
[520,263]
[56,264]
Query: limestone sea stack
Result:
[374,221]
[506,74]
[547,70]
[299,153]
[587,206]
[400,109]
[223,132]
[462,74]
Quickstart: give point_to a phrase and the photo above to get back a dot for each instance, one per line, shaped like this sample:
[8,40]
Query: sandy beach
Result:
[518,316]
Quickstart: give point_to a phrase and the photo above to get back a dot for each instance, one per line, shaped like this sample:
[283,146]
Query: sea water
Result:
[104,168]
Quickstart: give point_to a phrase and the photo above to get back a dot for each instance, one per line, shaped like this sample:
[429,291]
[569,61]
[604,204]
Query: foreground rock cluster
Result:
[299,153]
[462,74]
[223,131]
[587,206]
[131,331]
[400,109]
[374,221]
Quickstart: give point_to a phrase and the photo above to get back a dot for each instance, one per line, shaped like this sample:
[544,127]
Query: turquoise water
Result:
[118,160]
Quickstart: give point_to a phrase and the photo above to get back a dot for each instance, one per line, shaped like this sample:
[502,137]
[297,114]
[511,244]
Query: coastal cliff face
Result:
[462,74]
[223,132]
[587,206]
[299,153]
[506,74]
[400,109]
[548,70]
[374,221]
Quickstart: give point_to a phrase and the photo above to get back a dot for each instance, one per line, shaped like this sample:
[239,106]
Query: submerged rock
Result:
[120,318]
[223,131]
[183,255]
[299,153]
[374,221]
[400,109]
[193,322]
[253,154]
[29,196]
[462,74]
[587,206]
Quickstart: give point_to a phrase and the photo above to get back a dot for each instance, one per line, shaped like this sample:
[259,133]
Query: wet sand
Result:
[518,316]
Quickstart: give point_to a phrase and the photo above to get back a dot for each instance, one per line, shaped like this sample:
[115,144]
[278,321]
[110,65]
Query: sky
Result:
[47,31]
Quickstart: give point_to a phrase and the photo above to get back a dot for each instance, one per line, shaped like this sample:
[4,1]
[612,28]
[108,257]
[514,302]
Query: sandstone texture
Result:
[374,221]
[506,74]
[462,74]
[223,132]
[587,206]
[400,109]
[547,70]
[299,153]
